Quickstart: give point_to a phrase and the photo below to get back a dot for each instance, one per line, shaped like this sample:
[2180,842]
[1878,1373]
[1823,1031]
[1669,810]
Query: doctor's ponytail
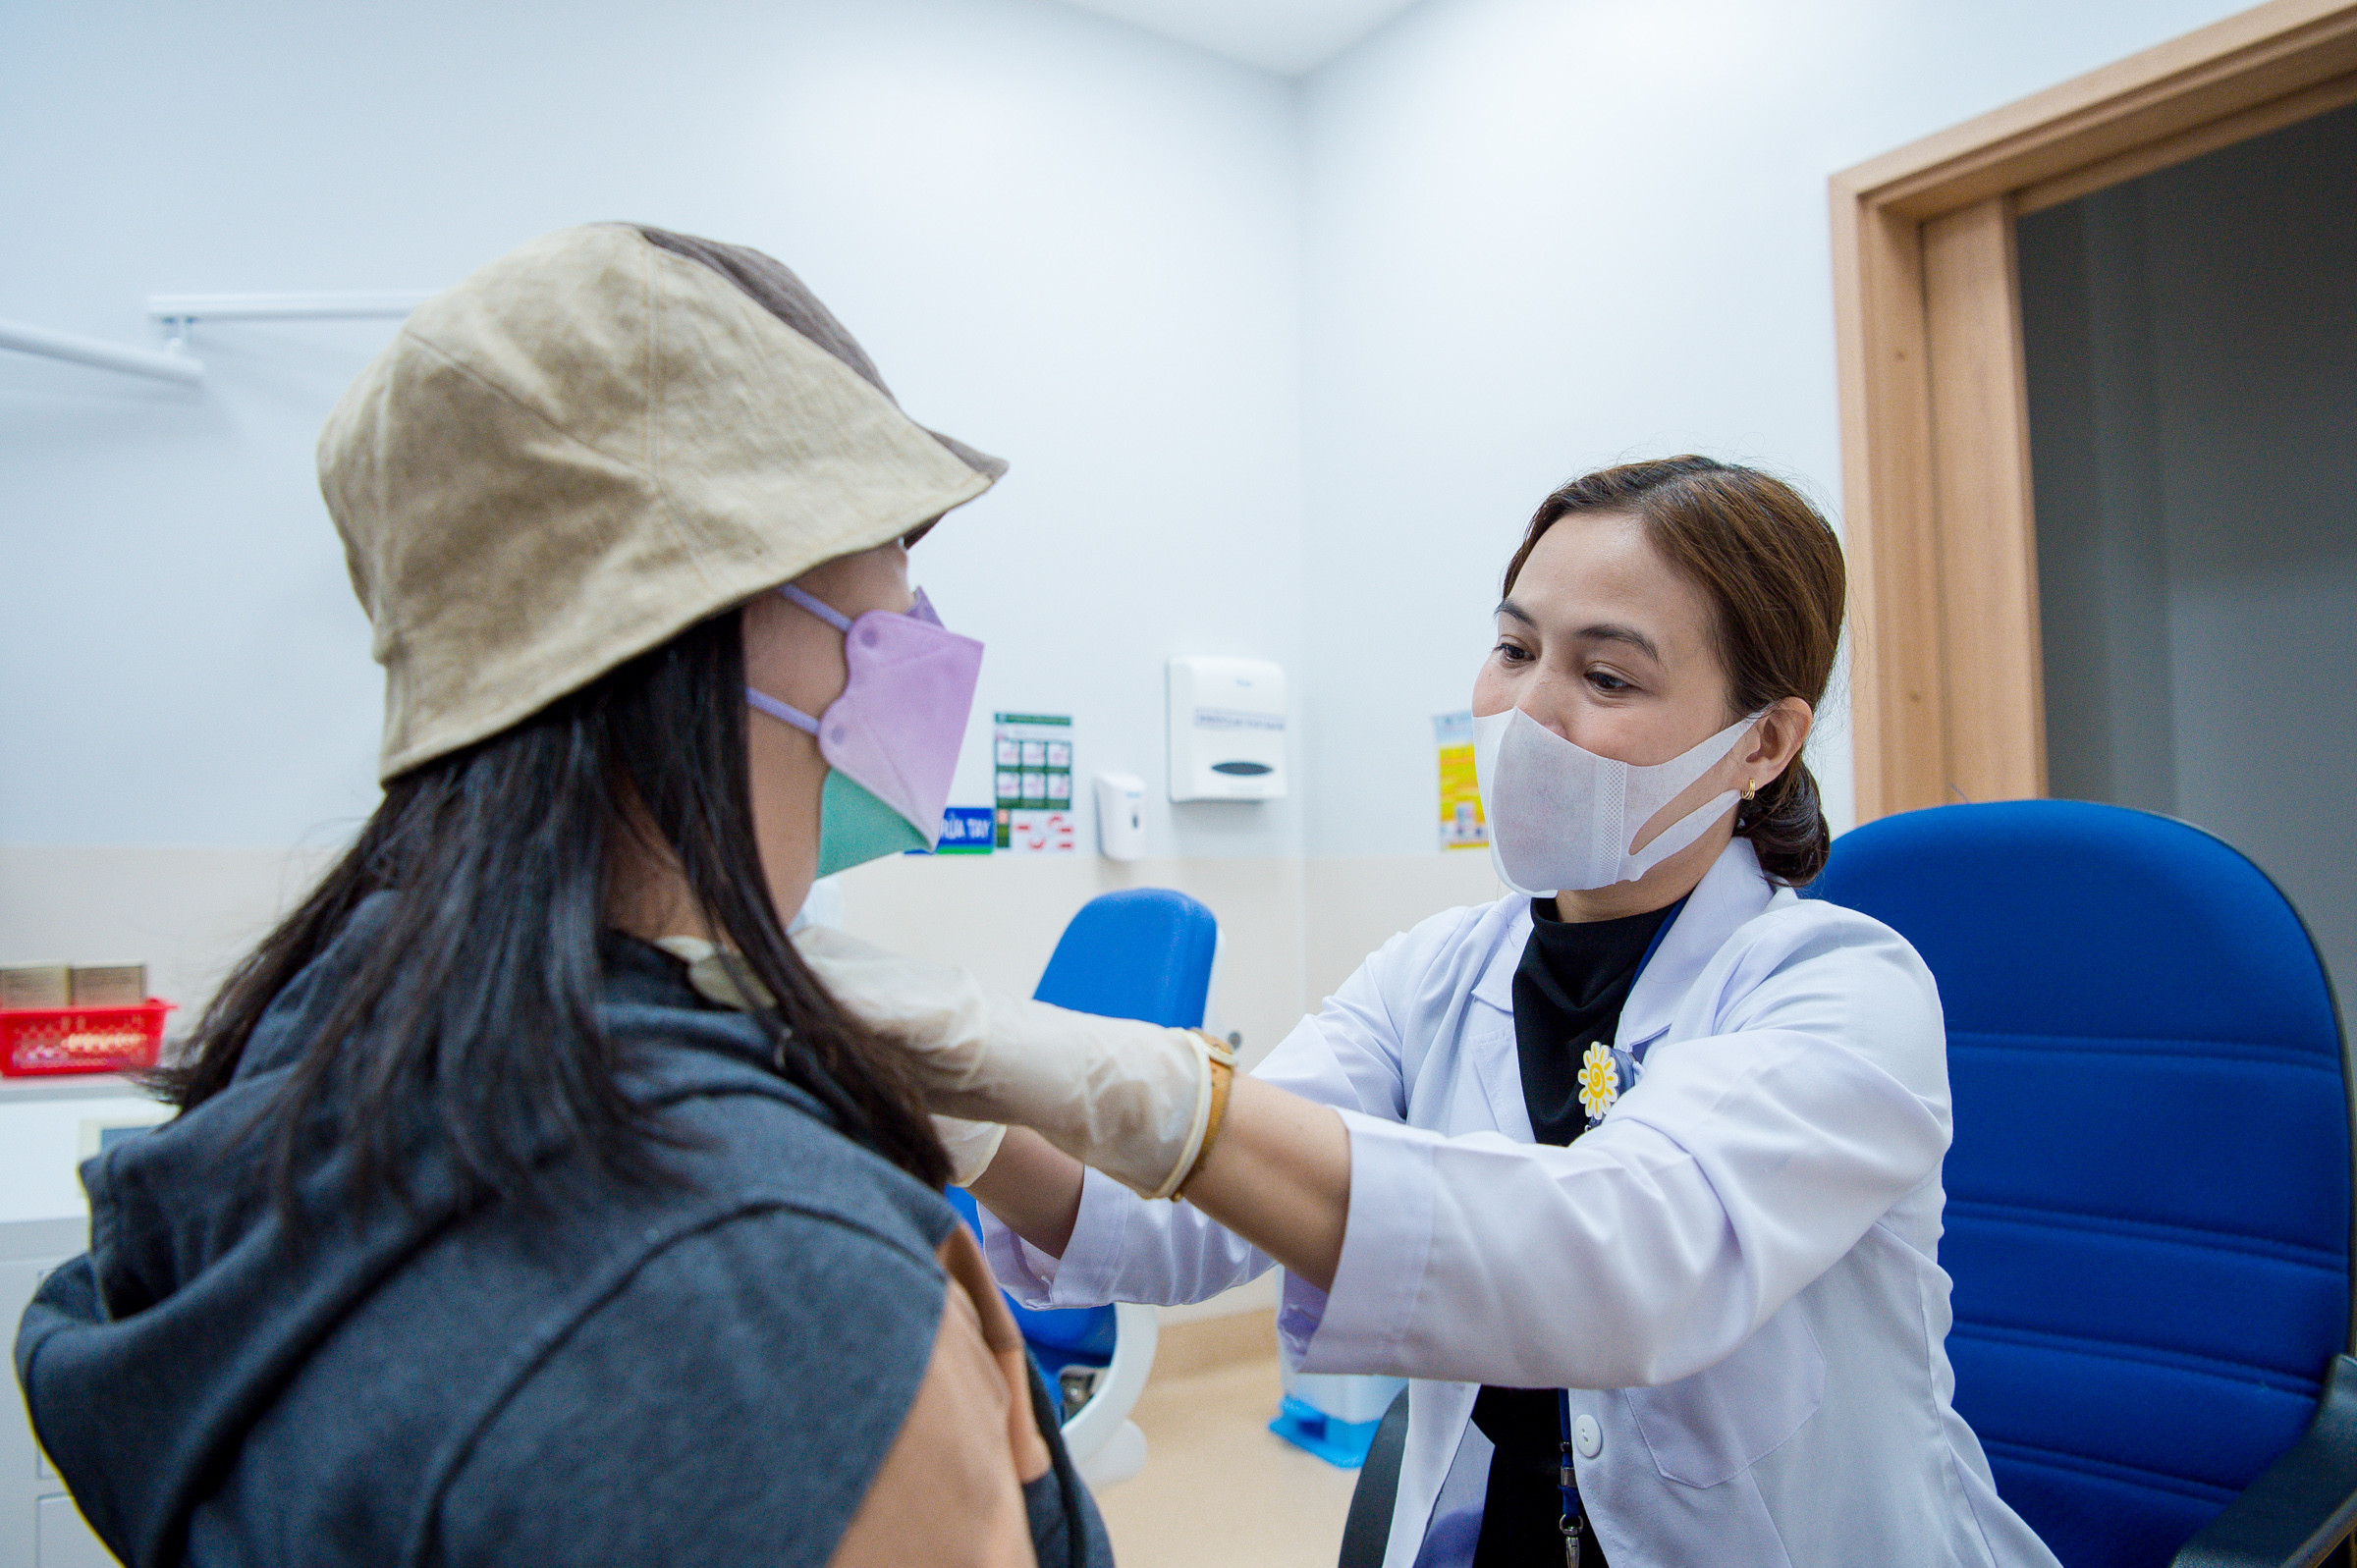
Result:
[1773,574]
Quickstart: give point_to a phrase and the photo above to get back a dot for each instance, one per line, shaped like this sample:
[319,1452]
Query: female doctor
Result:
[1639,1168]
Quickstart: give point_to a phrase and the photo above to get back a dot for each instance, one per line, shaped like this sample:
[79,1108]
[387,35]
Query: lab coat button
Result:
[1587,1438]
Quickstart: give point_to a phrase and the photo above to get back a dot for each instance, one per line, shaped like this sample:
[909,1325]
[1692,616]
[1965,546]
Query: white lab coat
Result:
[1737,1274]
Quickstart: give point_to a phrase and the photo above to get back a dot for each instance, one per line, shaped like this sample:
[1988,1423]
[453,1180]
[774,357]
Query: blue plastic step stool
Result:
[1338,1443]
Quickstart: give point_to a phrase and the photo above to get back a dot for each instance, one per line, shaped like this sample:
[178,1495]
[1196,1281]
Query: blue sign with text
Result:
[964,831]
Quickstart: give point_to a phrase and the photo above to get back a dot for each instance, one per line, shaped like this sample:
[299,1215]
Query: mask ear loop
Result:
[781,711]
[921,610]
[785,712]
[816,606]
[1742,730]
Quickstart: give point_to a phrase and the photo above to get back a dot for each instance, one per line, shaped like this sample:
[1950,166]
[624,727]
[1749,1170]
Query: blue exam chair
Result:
[1144,952]
[2149,1194]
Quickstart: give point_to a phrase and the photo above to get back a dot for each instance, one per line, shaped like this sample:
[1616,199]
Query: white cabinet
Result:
[38,1525]
[63,1541]
[47,1126]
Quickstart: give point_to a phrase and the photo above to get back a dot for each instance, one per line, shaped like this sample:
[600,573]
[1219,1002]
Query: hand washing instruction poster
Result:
[1034,781]
[1462,824]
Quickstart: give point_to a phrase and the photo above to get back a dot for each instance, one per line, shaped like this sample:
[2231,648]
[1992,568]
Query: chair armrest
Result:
[1368,1530]
[2301,1506]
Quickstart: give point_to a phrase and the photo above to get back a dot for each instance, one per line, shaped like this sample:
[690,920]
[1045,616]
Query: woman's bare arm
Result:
[1278,1175]
[1034,1188]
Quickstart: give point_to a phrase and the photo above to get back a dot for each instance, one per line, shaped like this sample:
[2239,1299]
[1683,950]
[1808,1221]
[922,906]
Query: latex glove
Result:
[972,1145]
[721,977]
[1130,1099]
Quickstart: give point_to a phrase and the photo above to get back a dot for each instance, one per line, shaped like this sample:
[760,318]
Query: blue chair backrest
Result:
[1058,1335]
[2148,1197]
[1144,952]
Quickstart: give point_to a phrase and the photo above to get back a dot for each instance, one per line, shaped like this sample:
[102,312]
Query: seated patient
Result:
[530,1200]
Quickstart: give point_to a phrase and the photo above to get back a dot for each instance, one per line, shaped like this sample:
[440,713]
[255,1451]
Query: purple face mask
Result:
[890,740]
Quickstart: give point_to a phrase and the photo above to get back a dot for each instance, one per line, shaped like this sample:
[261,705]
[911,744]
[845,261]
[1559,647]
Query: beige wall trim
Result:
[2253,56]
[2170,151]
[1987,555]
[1934,451]
[1291,930]
[1190,1346]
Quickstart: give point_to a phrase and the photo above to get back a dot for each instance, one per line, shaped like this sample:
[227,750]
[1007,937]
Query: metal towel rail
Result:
[176,313]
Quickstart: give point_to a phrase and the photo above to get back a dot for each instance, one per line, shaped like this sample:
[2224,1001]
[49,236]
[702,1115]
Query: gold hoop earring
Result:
[1750,790]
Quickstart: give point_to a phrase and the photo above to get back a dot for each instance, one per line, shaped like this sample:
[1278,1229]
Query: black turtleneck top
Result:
[1569,991]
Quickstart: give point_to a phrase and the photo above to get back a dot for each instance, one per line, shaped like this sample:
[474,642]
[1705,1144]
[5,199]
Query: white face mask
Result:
[1564,820]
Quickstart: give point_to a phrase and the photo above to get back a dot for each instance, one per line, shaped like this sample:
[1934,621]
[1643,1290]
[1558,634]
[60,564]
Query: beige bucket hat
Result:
[590,445]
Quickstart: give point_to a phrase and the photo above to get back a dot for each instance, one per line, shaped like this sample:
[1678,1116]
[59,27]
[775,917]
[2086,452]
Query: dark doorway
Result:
[2191,347]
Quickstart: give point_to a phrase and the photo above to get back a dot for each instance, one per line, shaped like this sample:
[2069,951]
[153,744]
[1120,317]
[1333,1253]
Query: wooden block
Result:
[35,985]
[113,984]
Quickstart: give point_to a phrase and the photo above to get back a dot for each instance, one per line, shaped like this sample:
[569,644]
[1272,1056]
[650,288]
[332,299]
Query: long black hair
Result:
[477,1001]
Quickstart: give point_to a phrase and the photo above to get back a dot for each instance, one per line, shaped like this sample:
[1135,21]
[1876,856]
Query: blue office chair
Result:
[1144,952]
[2149,1194]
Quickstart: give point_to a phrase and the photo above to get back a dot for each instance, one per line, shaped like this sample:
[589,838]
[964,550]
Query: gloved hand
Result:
[1130,1099]
[972,1145]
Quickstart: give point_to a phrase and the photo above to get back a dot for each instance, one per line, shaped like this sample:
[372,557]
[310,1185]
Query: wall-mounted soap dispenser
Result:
[1228,725]
[1121,815]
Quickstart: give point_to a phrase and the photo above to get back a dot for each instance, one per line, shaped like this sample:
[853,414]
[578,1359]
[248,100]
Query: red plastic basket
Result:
[44,1040]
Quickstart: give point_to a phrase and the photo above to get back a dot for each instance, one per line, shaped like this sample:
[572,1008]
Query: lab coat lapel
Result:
[1732,892]
[1488,1043]
[1495,986]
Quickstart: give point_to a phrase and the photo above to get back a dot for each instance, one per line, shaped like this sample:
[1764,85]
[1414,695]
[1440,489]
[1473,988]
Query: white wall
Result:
[1544,237]
[1280,368]
[1063,239]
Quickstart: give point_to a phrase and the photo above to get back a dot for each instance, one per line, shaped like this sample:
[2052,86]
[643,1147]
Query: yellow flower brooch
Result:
[1599,1081]
[1605,1073]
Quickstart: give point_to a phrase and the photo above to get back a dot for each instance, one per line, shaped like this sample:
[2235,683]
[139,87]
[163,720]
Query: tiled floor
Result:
[1219,1489]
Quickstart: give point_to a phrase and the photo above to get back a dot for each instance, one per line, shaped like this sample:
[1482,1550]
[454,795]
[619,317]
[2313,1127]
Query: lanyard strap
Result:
[1655,946]
[1575,1520]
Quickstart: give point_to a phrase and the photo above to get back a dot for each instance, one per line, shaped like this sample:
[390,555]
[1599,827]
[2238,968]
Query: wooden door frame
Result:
[1946,689]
